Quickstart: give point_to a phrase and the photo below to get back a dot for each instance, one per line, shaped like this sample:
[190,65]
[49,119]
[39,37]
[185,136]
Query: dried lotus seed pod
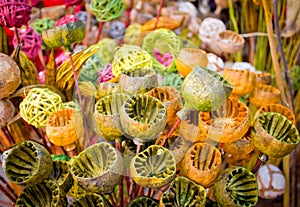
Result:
[153,167]
[205,90]
[7,112]
[64,128]
[242,81]
[277,108]
[170,98]
[143,201]
[230,42]
[46,193]
[61,174]
[228,123]
[91,200]
[28,163]
[236,187]
[263,78]
[183,192]
[138,81]
[143,117]
[264,94]
[202,163]
[274,135]
[107,115]
[10,76]
[98,168]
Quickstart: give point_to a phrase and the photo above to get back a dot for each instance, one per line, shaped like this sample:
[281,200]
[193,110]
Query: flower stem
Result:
[99,32]
[158,13]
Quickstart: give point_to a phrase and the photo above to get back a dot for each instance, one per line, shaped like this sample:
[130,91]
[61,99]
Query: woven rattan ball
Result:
[132,34]
[14,13]
[66,19]
[105,74]
[106,10]
[165,41]
[106,49]
[130,57]
[38,106]
[31,41]
[40,25]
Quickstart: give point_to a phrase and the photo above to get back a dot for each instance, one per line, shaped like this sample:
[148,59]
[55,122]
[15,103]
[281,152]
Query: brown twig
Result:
[284,63]
[99,32]
[158,13]
[268,15]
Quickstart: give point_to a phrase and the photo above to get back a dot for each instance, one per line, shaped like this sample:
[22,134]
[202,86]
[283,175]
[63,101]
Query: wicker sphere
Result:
[66,19]
[31,41]
[106,49]
[130,57]
[106,10]
[39,25]
[14,13]
[38,105]
[7,111]
[132,34]
[271,181]
[10,77]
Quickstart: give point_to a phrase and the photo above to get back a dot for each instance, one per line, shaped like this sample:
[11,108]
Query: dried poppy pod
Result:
[143,117]
[28,163]
[10,76]
[98,168]
[7,112]
[153,167]
[183,192]
[46,193]
[64,35]
[106,89]
[202,163]
[138,81]
[264,94]
[61,175]
[176,144]
[274,135]
[230,42]
[64,128]
[242,146]
[276,108]
[89,200]
[263,78]
[242,81]
[243,160]
[107,115]
[205,90]
[189,58]
[191,124]
[143,201]
[170,98]
[228,123]
[236,187]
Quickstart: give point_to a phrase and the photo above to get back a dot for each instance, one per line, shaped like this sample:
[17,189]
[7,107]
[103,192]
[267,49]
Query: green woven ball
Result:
[40,25]
[132,34]
[106,10]
[163,40]
[38,105]
[174,80]
[130,57]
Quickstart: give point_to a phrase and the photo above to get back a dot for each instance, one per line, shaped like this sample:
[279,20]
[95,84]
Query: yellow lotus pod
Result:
[130,57]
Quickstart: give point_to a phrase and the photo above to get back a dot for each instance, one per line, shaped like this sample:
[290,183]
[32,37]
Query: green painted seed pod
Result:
[236,187]
[64,35]
[143,201]
[205,90]
[138,81]
[91,200]
[107,115]
[183,192]
[61,175]
[274,134]
[143,117]
[44,194]
[153,167]
[28,163]
[98,168]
